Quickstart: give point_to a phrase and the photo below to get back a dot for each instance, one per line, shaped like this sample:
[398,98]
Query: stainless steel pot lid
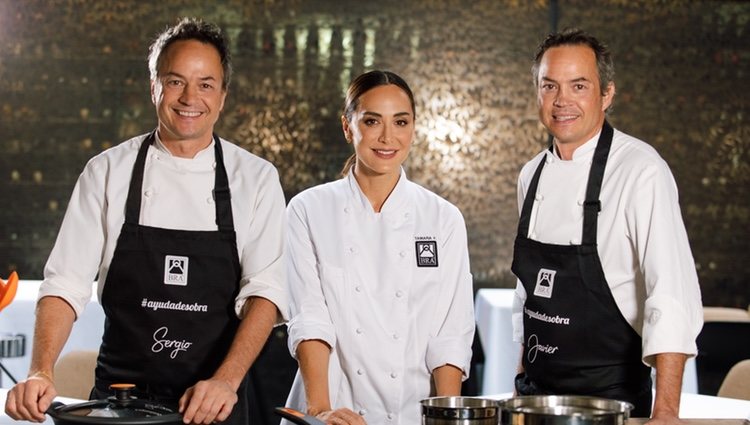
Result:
[120,409]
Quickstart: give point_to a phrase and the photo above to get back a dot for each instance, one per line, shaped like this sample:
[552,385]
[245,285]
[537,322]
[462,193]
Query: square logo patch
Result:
[176,270]
[427,254]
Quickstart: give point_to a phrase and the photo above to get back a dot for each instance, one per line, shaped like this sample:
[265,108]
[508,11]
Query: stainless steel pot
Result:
[459,411]
[563,410]
[120,409]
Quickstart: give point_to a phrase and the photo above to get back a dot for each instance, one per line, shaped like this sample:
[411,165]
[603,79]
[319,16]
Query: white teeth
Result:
[564,117]
[188,114]
[382,152]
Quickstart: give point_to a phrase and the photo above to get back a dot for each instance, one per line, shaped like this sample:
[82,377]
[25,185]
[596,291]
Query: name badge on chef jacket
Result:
[176,270]
[427,254]
[545,281]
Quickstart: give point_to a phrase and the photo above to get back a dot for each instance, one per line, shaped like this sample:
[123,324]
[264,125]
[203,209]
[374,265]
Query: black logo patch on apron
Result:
[176,270]
[427,253]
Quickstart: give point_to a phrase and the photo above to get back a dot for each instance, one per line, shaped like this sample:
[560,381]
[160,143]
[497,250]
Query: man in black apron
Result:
[575,338]
[169,295]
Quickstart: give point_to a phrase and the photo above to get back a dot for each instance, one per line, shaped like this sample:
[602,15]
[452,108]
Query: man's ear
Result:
[153,93]
[608,96]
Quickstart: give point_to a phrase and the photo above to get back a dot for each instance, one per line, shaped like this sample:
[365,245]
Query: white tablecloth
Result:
[493,314]
[492,308]
[18,318]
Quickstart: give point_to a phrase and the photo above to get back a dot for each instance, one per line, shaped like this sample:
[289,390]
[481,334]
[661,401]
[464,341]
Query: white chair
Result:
[74,374]
[737,382]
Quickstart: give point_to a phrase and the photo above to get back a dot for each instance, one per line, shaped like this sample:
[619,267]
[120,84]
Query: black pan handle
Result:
[297,417]
[51,410]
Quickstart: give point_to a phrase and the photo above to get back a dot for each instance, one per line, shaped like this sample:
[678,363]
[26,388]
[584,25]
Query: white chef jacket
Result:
[177,194]
[642,242]
[355,283]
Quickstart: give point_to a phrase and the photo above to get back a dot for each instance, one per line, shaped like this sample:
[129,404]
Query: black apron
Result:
[169,300]
[576,340]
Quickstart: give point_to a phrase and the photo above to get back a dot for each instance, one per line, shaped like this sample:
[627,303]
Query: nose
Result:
[188,94]
[386,134]
[561,98]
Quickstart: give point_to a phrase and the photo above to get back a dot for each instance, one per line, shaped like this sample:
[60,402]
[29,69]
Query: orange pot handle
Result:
[8,290]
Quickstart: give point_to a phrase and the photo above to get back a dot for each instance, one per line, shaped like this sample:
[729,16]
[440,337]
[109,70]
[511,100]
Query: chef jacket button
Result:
[360,372]
[147,193]
[209,200]
[389,416]
[580,202]
[353,249]
[574,241]
[213,165]
[394,375]
[346,210]
[395,336]
[406,215]
[399,293]
[539,197]
[532,235]
[362,412]
[402,254]
[358,288]
[359,330]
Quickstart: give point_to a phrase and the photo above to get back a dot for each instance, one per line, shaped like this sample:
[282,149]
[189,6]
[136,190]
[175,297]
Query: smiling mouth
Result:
[564,118]
[188,114]
[385,153]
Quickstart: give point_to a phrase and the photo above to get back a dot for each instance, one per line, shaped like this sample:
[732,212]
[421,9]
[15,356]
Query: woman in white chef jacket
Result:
[378,267]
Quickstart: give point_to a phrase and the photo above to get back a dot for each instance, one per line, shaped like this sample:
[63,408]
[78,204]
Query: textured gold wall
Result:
[73,81]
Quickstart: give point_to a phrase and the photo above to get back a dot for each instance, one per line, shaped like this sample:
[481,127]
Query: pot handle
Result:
[52,409]
[297,417]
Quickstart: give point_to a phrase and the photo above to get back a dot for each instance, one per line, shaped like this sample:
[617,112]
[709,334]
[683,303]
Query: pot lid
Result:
[121,409]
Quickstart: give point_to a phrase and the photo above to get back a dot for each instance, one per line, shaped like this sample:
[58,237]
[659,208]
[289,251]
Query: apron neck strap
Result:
[222,197]
[591,205]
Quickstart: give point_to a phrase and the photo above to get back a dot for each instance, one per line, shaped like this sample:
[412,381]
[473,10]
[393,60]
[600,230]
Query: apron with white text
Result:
[169,300]
[576,340]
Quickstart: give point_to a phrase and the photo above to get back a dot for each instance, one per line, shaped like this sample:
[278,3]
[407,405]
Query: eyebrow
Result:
[175,74]
[375,114]
[576,80]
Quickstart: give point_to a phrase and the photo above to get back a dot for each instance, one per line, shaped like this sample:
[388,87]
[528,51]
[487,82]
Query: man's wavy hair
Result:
[191,29]
[575,37]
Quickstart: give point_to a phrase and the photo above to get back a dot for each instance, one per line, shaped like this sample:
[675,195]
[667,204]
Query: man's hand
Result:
[29,399]
[207,402]
[341,417]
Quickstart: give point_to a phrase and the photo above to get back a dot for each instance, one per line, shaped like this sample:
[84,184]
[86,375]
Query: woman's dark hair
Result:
[361,85]
[191,29]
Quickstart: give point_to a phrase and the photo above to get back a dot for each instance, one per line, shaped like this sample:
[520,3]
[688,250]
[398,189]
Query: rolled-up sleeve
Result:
[74,260]
[673,314]
[308,312]
[452,341]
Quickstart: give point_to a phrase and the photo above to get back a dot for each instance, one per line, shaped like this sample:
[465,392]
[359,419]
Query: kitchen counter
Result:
[715,406]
